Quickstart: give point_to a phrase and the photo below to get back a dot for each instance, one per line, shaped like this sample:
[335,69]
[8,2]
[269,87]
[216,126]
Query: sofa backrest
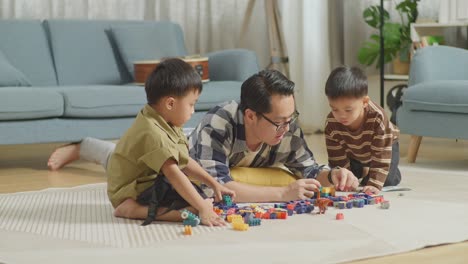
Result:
[25,44]
[86,52]
[147,40]
[82,52]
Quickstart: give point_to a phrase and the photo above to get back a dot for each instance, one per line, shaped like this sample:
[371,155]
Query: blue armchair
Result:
[436,101]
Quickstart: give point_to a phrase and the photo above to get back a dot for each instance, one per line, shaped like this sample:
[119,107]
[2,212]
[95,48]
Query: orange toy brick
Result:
[188,230]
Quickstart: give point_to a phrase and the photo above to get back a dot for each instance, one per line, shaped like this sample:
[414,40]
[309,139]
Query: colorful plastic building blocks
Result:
[251,215]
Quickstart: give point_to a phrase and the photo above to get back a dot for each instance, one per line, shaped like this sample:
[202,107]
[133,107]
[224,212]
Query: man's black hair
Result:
[257,90]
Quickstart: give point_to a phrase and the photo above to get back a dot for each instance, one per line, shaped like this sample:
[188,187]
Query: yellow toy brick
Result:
[233,217]
[240,226]
[188,230]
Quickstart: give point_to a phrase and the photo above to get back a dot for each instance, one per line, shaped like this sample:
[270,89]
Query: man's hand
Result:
[301,189]
[344,180]
[220,190]
[371,189]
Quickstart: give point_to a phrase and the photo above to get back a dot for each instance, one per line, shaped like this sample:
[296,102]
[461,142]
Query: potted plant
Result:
[397,38]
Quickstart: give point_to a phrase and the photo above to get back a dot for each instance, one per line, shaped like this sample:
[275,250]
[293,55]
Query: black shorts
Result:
[165,193]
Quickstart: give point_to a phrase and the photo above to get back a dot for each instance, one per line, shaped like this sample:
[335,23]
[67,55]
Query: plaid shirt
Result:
[218,143]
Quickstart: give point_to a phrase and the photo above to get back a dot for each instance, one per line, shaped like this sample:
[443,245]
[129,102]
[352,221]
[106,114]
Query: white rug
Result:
[83,214]
[75,226]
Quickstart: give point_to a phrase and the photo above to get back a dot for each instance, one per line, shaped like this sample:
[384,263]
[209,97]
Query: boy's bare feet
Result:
[131,209]
[63,155]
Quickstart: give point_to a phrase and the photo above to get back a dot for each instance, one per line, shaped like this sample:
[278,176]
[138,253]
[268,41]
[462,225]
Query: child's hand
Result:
[220,190]
[344,180]
[371,189]
[208,217]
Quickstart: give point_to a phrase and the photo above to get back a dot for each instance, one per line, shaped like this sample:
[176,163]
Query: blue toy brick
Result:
[227,200]
[186,214]
[349,204]
[360,203]
[273,216]
[299,210]
[254,222]
[340,205]
[309,209]
[290,212]
[191,222]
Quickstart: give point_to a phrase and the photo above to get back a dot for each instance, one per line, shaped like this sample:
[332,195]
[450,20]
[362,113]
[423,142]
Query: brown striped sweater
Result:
[371,144]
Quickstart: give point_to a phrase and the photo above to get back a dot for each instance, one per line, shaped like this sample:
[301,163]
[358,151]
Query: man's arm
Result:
[298,190]
[301,162]
[210,148]
[294,153]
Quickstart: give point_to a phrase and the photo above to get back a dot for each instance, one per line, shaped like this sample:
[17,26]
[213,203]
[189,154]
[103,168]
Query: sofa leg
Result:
[413,148]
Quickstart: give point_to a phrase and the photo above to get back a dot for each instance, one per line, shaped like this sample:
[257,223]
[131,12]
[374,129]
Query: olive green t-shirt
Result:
[140,154]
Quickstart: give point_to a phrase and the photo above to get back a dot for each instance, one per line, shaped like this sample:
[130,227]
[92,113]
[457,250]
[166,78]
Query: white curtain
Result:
[306,28]
[209,25]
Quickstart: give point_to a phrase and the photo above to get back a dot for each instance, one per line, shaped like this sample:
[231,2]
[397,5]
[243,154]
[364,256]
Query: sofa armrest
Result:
[232,65]
[438,63]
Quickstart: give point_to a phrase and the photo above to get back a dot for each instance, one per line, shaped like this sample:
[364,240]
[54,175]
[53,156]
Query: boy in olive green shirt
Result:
[147,171]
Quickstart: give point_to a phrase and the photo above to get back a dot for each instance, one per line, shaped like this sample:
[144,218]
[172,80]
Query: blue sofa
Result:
[62,80]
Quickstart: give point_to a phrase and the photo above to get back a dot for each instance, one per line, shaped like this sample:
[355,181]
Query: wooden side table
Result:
[144,68]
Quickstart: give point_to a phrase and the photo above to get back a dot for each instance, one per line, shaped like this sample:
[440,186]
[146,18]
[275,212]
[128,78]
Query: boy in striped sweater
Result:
[359,135]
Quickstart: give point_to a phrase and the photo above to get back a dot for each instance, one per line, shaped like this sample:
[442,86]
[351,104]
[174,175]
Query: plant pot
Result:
[400,67]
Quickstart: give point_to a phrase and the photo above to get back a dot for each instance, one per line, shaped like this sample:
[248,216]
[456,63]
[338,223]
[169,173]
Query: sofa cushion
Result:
[24,43]
[20,103]
[83,53]
[215,93]
[103,101]
[9,75]
[146,41]
[438,96]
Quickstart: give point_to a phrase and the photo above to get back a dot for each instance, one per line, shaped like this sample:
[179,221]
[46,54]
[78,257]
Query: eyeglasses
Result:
[282,126]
